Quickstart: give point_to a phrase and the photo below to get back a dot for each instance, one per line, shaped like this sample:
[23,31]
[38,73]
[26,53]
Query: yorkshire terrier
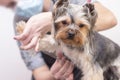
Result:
[73,31]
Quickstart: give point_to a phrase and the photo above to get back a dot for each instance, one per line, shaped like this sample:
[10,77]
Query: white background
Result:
[11,65]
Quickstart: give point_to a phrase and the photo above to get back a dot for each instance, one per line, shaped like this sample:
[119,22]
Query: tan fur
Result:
[90,70]
[82,59]
[47,43]
[20,26]
[78,41]
[81,33]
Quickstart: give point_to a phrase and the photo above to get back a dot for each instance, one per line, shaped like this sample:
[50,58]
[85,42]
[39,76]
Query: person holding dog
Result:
[43,66]
[43,24]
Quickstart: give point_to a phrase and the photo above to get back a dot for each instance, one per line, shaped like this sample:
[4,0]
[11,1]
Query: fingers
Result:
[32,44]
[69,70]
[24,35]
[57,66]
[63,69]
[71,77]
[37,46]
[59,55]
[27,40]
[62,61]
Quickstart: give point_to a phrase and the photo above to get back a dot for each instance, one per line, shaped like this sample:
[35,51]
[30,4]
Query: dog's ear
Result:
[60,8]
[91,13]
[59,12]
[61,3]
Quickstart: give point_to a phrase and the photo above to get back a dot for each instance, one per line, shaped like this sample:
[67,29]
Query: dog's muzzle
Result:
[70,34]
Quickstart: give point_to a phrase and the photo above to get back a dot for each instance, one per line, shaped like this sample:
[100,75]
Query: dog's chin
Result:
[72,43]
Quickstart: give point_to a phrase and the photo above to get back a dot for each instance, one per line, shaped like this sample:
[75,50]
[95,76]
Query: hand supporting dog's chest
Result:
[73,32]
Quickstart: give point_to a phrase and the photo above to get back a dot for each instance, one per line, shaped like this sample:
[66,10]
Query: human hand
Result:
[62,68]
[35,28]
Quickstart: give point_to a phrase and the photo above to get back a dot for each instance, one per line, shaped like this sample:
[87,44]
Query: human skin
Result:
[29,37]
[60,70]
[42,24]
[43,73]
[8,3]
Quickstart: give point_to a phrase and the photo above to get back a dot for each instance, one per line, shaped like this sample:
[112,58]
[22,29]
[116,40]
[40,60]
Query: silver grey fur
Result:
[101,51]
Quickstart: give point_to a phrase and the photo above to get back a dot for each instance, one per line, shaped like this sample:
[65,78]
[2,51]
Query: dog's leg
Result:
[111,73]
[90,69]
[47,43]
[93,73]
[116,64]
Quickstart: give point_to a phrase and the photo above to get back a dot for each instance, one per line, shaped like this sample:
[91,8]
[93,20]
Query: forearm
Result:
[48,20]
[43,73]
[32,61]
[106,18]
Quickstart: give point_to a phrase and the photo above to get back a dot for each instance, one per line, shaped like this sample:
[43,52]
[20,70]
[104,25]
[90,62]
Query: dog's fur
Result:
[73,32]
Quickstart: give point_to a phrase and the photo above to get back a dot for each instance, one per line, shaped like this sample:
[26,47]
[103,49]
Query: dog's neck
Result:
[82,59]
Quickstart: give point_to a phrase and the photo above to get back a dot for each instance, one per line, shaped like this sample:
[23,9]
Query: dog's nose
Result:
[71,34]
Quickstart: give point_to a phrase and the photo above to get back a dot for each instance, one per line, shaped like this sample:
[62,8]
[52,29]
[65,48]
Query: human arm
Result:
[34,61]
[31,59]
[99,26]
[60,70]
[106,18]
[40,70]
[35,28]
[42,73]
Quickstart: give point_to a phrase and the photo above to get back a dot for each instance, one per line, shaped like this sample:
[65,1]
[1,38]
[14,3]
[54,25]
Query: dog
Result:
[73,31]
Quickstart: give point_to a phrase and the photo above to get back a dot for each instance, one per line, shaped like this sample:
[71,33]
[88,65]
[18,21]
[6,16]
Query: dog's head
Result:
[72,23]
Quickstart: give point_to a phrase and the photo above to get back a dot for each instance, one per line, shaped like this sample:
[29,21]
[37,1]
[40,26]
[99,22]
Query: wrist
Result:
[43,73]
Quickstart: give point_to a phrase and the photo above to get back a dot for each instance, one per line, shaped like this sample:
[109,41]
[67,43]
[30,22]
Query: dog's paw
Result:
[47,43]
[20,27]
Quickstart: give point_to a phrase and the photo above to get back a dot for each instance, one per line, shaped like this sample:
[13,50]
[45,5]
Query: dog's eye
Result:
[64,23]
[81,25]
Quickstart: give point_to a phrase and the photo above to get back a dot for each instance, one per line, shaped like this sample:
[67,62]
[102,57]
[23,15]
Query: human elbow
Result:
[112,21]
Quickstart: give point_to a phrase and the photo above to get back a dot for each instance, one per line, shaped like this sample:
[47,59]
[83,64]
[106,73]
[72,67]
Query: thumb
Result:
[59,55]
[22,36]
[71,77]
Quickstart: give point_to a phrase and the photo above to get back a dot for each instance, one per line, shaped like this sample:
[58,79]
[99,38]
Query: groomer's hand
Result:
[62,68]
[35,28]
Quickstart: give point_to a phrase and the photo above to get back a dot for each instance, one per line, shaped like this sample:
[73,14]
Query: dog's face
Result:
[72,23]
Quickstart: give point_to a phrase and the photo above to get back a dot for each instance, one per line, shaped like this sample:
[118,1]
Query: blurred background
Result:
[12,66]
